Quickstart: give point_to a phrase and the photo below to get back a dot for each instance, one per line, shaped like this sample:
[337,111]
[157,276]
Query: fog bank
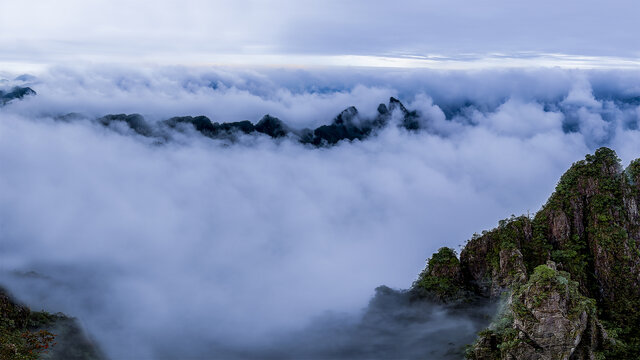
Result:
[203,246]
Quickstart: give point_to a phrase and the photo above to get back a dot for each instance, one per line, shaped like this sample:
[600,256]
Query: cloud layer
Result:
[198,31]
[197,242]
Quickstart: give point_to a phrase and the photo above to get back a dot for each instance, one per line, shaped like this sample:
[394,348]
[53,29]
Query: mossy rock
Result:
[546,318]
[442,278]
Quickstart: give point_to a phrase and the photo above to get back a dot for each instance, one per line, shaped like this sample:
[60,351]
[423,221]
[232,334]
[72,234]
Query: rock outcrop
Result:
[569,277]
[409,118]
[27,335]
[545,318]
[442,278]
[492,261]
[345,126]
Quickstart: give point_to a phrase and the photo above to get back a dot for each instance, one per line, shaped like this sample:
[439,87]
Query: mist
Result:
[198,247]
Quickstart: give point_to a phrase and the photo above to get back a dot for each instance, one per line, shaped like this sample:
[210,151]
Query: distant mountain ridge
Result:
[347,125]
[598,115]
[16,92]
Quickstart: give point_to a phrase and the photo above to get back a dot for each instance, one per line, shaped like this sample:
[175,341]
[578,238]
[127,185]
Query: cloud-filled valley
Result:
[213,245]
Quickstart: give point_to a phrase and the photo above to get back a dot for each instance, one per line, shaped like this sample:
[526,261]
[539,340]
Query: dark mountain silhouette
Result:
[347,125]
[15,93]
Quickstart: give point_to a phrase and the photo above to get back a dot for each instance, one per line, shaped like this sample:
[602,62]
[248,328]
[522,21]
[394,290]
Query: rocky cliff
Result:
[30,335]
[568,278]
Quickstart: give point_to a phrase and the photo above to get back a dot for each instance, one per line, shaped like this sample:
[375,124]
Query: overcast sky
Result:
[312,32]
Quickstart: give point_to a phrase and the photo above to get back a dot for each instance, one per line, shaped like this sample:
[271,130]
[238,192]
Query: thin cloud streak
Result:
[253,32]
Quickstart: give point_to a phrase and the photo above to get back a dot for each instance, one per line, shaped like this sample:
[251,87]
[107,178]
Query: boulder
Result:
[546,318]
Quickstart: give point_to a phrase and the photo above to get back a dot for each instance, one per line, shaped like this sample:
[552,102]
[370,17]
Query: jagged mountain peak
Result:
[346,116]
[16,92]
[347,125]
[397,104]
[272,126]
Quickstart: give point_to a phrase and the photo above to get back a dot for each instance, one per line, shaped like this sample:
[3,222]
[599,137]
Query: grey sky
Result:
[259,32]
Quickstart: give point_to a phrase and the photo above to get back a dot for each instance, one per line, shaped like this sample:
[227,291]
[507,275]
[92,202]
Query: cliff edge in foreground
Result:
[568,278]
[30,335]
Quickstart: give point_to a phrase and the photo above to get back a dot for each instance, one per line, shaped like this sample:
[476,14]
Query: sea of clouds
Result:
[196,247]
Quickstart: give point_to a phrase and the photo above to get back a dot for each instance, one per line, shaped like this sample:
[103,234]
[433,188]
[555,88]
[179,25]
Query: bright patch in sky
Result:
[407,33]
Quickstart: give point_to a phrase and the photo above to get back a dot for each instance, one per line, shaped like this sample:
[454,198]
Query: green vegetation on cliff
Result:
[20,338]
[30,335]
[441,277]
[590,229]
[546,317]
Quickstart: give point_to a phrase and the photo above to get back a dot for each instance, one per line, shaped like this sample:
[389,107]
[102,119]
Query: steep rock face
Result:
[551,317]
[594,230]
[347,116]
[511,271]
[546,318]
[492,261]
[590,228]
[442,278]
[409,118]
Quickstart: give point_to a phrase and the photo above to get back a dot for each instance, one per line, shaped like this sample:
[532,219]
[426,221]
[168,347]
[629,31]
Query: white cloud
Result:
[520,119]
[581,95]
[193,241]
